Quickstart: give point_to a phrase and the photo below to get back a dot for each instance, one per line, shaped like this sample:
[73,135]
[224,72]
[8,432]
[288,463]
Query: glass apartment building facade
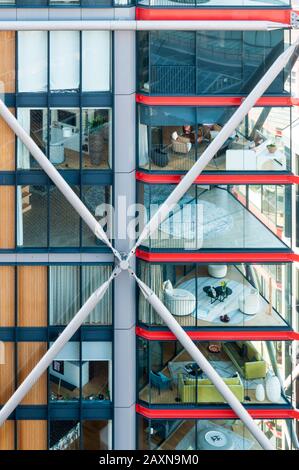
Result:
[123,115]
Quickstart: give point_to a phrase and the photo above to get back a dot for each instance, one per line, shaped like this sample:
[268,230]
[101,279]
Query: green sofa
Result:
[247,360]
[203,391]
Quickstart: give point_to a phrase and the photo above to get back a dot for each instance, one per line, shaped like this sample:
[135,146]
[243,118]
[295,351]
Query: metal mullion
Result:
[80,138]
[80,383]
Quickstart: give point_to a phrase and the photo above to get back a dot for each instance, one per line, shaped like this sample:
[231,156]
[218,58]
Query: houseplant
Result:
[97,138]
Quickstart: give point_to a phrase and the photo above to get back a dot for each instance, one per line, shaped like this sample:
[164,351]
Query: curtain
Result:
[92,278]
[95,61]
[32,61]
[23,152]
[64,60]
[151,275]
[64,295]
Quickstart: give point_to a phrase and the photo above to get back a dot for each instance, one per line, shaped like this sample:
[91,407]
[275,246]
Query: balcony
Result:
[169,376]
[184,290]
[208,62]
[171,139]
[220,217]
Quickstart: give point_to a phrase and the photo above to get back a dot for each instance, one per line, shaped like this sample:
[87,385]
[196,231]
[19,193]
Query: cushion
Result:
[174,135]
[183,140]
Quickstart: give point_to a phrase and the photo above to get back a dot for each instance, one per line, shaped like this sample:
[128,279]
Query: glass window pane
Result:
[64,435]
[96,138]
[264,285]
[92,278]
[64,145]
[98,200]
[35,122]
[95,61]
[64,374]
[32,216]
[96,371]
[243,365]
[64,61]
[64,293]
[64,220]
[32,61]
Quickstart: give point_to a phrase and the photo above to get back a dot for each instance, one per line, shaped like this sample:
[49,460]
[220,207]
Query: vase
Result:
[260,392]
[273,389]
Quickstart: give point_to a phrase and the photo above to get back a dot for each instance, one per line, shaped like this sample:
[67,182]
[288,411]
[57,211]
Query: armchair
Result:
[160,381]
[180,144]
[247,360]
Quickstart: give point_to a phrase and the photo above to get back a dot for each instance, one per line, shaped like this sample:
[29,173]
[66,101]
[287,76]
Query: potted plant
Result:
[96,138]
[271,148]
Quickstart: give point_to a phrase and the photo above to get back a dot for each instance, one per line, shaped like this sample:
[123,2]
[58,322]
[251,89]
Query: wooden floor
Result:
[98,384]
[72,161]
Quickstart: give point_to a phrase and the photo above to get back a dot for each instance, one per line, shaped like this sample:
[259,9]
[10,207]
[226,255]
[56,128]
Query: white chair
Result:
[180,302]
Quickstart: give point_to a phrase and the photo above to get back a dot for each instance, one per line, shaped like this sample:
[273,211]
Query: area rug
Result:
[189,441]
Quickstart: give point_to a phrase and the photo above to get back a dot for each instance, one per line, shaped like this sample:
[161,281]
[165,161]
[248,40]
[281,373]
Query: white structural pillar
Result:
[204,364]
[124,196]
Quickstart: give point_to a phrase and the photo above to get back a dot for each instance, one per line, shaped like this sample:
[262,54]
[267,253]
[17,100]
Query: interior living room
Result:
[172,138]
[89,378]
[252,370]
[70,139]
[219,295]
[205,434]
[220,217]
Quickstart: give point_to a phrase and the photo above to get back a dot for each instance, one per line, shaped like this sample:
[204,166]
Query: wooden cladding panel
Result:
[7,61]
[32,435]
[7,435]
[28,356]
[7,146]
[7,296]
[32,296]
[7,371]
[7,217]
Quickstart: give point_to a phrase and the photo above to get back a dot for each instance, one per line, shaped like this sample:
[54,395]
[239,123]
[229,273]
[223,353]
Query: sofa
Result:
[247,360]
[198,390]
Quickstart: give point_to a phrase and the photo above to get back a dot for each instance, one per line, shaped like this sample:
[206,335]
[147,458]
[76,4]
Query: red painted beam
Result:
[245,178]
[201,257]
[273,413]
[241,335]
[213,100]
[215,14]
